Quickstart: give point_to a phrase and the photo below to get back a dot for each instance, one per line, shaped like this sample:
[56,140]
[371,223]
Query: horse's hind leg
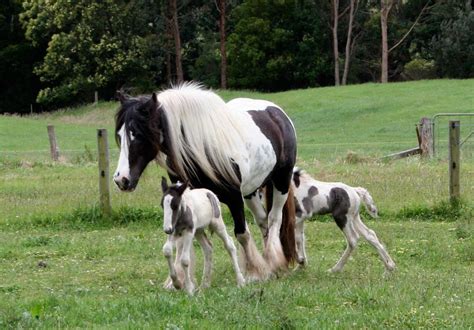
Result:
[219,229]
[255,266]
[351,237]
[372,238]
[254,203]
[207,249]
[273,247]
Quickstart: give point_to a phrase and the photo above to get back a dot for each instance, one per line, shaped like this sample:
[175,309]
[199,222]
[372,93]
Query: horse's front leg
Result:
[187,237]
[168,253]
[300,242]
[255,266]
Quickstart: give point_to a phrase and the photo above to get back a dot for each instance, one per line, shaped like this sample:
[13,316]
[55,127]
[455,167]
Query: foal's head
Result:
[137,132]
[175,211]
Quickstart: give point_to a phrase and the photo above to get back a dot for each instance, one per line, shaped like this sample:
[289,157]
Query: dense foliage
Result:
[56,52]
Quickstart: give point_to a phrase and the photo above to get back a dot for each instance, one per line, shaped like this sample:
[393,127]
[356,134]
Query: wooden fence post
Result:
[104,185]
[454,160]
[426,137]
[96,97]
[53,145]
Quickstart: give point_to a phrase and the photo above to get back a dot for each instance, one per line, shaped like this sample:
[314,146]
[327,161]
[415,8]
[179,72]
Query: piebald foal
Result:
[187,213]
[343,203]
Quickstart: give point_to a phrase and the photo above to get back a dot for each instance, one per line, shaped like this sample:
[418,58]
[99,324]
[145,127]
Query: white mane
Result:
[211,131]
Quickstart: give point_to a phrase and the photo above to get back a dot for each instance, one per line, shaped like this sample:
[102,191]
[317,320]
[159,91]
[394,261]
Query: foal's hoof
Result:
[391,267]
[172,285]
[334,270]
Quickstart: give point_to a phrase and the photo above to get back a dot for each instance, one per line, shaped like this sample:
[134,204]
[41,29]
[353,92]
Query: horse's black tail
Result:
[287,229]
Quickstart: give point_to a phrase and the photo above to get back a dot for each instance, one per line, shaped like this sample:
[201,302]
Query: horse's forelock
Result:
[143,123]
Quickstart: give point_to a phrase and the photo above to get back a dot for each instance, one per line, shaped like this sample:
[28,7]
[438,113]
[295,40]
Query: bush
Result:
[418,69]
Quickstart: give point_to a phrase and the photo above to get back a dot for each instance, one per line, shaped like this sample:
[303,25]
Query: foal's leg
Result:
[218,227]
[273,248]
[168,253]
[187,237]
[300,242]
[260,215]
[351,237]
[207,249]
[372,238]
[254,264]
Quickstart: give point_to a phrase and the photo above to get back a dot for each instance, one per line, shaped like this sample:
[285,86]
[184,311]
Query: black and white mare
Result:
[231,148]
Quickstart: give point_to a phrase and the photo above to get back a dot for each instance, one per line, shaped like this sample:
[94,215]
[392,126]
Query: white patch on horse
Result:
[167,216]
[259,158]
[123,167]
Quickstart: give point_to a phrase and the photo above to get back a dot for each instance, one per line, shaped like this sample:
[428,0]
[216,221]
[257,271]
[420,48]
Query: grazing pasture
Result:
[62,265]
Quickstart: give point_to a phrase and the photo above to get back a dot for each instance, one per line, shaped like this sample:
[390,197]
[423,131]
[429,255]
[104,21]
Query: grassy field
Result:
[62,265]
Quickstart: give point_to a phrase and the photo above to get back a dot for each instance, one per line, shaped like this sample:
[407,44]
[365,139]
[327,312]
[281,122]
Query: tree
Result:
[92,46]
[335,41]
[18,84]
[385,7]
[271,54]
[453,48]
[177,40]
[353,5]
[222,19]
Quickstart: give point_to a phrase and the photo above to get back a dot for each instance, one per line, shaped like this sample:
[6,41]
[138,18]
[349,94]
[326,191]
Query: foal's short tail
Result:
[368,201]
[287,229]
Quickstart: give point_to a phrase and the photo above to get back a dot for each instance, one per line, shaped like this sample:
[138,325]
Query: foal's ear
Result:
[164,184]
[182,188]
[120,96]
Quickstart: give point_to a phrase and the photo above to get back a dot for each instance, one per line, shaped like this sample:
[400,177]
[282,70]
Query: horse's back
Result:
[270,141]
[205,205]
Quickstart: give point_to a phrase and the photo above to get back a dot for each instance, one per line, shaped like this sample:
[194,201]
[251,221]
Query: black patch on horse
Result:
[184,220]
[298,209]
[308,200]
[339,204]
[215,205]
[277,127]
[296,178]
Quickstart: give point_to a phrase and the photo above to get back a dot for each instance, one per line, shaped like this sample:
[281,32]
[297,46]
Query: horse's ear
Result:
[154,98]
[120,96]
[182,188]
[164,184]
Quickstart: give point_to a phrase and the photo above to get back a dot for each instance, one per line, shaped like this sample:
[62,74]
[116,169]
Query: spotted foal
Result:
[187,213]
[343,203]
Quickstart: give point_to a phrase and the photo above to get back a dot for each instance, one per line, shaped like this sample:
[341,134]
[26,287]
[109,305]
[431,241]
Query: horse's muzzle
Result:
[125,184]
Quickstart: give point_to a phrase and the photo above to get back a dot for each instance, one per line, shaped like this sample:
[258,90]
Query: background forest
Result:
[56,53]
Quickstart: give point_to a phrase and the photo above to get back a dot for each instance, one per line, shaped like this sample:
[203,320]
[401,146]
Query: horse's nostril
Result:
[125,182]
[117,174]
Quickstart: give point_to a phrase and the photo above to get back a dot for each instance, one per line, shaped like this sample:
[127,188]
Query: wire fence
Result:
[440,124]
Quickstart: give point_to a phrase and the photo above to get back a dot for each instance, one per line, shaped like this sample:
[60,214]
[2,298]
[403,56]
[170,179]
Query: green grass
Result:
[63,265]
[111,276]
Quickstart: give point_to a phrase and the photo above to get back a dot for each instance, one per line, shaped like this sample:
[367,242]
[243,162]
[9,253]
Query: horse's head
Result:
[172,204]
[137,132]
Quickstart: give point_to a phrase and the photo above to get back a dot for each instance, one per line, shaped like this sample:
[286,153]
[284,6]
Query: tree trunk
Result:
[347,60]
[222,13]
[177,40]
[386,5]
[335,12]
